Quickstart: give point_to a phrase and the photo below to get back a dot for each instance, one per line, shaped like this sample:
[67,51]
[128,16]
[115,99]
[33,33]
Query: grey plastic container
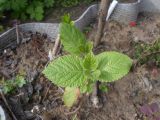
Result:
[87,17]
[126,12]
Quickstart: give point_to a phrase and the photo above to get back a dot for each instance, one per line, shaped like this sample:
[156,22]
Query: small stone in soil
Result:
[29,115]
[38,87]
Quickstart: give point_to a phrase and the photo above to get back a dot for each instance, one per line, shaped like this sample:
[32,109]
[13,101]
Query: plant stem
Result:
[101,20]
[101,23]
[94,96]
[7,105]
[55,48]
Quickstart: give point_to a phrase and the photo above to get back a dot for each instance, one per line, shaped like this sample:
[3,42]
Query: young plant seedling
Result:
[79,70]
[9,85]
[148,53]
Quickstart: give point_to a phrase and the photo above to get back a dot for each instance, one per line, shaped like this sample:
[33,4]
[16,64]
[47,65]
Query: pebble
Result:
[29,115]
[38,87]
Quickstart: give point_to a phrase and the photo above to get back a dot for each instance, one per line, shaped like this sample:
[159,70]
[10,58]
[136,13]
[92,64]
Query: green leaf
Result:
[86,88]
[88,47]
[66,71]
[70,96]
[95,75]
[39,13]
[69,3]
[35,12]
[5,5]
[20,81]
[10,85]
[103,87]
[18,5]
[67,19]
[30,9]
[49,3]
[90,62]
[113,66]
[72,39]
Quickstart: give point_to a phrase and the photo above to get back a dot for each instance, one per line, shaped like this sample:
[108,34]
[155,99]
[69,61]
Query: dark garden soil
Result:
[40,99]
[140,87]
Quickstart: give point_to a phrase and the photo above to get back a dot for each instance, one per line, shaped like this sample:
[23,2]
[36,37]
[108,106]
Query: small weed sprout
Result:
[8,86]
[79,70]
[145,53]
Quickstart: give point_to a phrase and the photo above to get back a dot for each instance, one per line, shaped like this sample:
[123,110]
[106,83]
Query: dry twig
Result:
[73,112]
[7,105]
[56,45]
[46,92]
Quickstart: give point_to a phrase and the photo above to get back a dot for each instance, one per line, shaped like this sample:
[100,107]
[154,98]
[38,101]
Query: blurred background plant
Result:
[33,9]
[10,85]
[1,28]
[70,3]
[25,9]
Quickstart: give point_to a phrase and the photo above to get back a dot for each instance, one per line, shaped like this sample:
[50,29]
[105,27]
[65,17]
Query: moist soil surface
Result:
[125,100]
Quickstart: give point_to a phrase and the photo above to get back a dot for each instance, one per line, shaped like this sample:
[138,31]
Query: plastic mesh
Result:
[9,37]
